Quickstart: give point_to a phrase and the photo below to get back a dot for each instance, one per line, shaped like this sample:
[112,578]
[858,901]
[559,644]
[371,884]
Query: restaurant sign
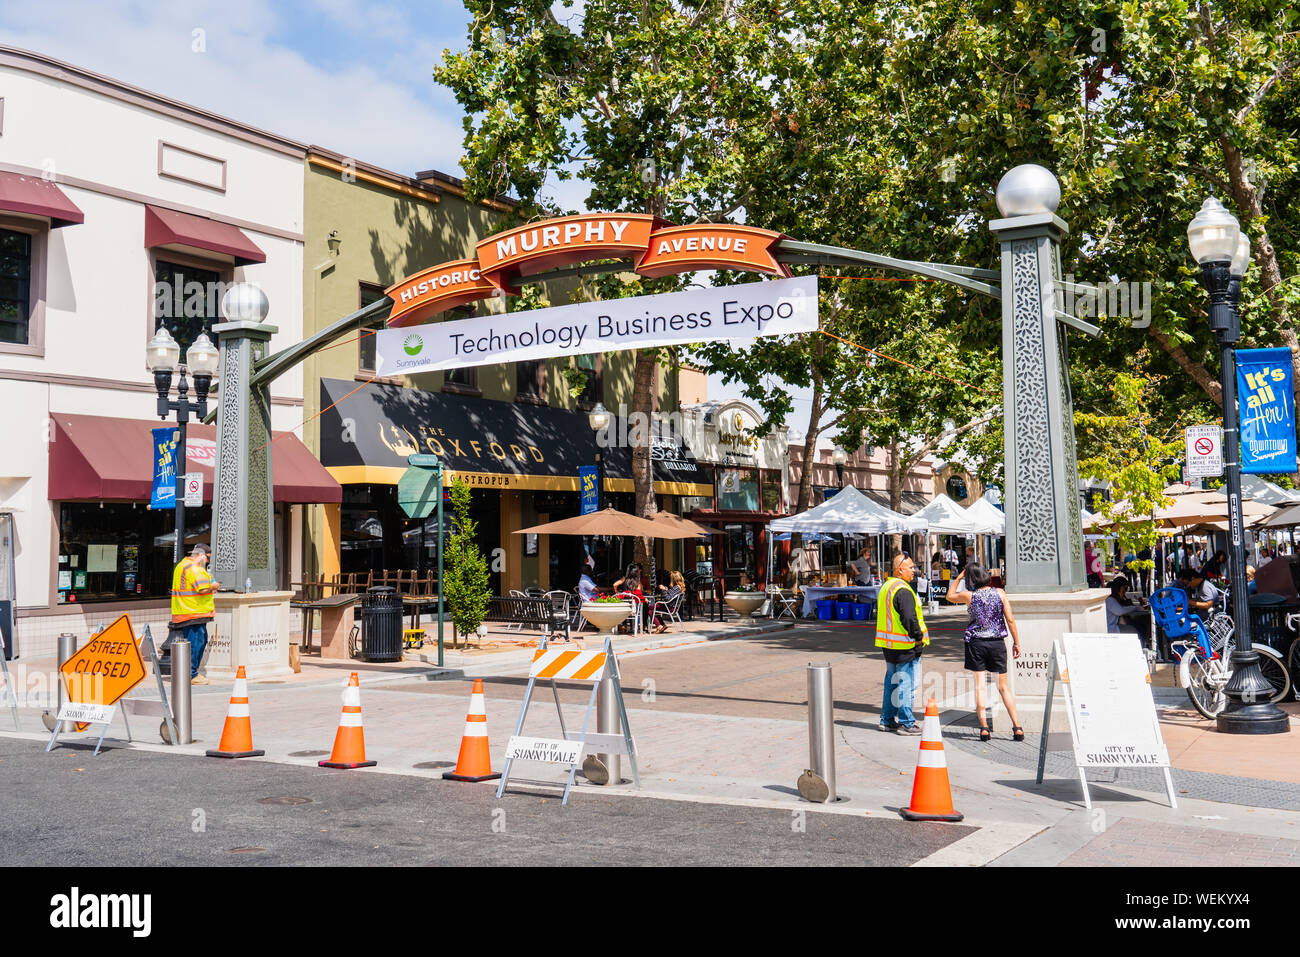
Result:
[655,247]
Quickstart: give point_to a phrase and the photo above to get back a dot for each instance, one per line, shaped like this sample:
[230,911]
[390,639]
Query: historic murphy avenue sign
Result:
[773,308]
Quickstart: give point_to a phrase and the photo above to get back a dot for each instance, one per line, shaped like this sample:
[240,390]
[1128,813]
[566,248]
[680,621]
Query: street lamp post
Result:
[598,419]
[200,361]
[1223,252]
[839,457]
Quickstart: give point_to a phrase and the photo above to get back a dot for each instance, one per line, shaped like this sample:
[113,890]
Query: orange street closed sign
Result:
[106,668]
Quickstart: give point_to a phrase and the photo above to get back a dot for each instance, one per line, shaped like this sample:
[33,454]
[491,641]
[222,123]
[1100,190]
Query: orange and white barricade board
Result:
[99,677]
[1106,683]
[558,664]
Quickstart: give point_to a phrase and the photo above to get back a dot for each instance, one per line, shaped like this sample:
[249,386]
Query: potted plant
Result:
[744,600]
[606,614]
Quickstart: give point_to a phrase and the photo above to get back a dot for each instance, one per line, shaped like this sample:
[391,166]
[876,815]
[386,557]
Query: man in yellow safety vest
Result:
[193,606]
[901,632]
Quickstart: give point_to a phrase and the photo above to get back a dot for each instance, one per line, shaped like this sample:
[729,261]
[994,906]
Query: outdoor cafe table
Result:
[813,592]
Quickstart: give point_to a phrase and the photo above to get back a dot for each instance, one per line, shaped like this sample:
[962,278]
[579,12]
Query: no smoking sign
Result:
[1204,451]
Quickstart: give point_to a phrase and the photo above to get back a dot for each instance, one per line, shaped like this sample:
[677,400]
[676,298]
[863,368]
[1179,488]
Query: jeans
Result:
[899,682]
[197,635]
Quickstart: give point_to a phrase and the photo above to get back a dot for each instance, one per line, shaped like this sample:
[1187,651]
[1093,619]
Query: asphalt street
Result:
[135,808]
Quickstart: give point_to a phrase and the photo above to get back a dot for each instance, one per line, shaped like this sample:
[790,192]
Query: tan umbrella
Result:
[608,521]
[1197,508]
[676,523]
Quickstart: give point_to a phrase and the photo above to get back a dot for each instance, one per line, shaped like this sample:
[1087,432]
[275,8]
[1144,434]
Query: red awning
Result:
[93,458]
[38,197]
[166,227]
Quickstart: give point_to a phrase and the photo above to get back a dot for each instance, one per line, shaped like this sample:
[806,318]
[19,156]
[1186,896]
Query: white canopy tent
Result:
[848,512]
[943,516]
[991,520]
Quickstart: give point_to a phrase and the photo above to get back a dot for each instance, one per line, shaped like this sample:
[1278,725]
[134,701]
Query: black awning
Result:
[368,431]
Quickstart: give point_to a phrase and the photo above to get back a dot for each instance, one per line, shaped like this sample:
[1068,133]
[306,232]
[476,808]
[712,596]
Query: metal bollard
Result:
[67,648]
[607,722]
[181,690]
[818,782]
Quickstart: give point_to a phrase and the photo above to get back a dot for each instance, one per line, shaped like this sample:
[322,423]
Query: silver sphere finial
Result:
[1028,189]
[244,302]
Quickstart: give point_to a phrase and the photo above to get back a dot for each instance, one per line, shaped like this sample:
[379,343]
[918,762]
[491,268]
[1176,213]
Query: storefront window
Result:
[592,390]
[737,490]
[366,343]
[118,550]
[186,300]
[15,285]
[772,490]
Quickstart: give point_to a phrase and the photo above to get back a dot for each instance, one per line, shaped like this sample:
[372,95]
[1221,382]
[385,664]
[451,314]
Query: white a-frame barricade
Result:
[1106,683]
[565,665]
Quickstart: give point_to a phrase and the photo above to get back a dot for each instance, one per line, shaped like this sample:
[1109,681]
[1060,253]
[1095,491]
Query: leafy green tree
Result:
[465,571]
[657,105]
[1126,448]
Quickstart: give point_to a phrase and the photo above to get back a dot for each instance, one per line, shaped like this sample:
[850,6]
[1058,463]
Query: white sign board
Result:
[1204,451]
[193,489]
[544,749]
[774,307]
[86,713]
[1107,688]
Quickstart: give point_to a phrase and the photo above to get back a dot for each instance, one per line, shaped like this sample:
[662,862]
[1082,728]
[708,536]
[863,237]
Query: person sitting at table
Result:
[1120,607]
[587,589]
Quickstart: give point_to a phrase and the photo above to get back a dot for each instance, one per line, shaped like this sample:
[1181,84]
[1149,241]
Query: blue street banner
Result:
[1266,411]
[588,476]
[164,468]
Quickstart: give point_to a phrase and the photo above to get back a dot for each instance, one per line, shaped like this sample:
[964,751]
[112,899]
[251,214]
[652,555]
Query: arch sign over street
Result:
[655,248]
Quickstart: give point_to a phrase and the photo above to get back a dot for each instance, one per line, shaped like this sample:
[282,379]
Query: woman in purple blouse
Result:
[986,648]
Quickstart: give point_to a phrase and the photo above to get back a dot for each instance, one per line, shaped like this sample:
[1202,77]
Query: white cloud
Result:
[379,104]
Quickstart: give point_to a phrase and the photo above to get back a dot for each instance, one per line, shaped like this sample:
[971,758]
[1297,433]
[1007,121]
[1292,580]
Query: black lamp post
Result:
[598,419]
[201,361]
[839,457]
[1223,252]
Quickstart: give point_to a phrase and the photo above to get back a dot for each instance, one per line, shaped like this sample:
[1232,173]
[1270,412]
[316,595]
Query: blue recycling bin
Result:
[844,610]
[825,608]
[860,610]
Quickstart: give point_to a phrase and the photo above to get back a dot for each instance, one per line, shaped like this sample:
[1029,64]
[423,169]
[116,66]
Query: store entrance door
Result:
[739,554]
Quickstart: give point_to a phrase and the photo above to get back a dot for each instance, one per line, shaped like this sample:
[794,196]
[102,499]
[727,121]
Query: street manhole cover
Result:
[306,754]
[284,799]
[434,765]
[245,850]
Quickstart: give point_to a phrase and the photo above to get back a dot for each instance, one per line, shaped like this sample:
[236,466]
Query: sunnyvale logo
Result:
[76,910]
[412,345]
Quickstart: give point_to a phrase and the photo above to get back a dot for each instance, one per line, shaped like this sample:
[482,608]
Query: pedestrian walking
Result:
[901,632]
[193,606]
[989,624]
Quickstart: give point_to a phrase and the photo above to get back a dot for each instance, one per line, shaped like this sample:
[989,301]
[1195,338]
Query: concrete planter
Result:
[744,603]
[605,616]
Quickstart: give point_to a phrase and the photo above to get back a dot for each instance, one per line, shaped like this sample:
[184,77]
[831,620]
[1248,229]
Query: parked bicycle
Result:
[1204,650]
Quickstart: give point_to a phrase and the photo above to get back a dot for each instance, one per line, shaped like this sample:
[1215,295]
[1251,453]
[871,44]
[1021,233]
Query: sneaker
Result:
[888,727]
[198,680]
[908,729]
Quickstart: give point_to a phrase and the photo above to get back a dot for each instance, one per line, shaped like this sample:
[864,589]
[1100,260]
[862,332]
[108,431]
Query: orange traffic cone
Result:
[474,763]
[349,743]
[237,735]
[931,793]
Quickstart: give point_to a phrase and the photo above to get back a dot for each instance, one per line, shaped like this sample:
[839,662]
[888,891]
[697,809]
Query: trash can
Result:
[860,611]
[381,624]
[844,610]
[825,609]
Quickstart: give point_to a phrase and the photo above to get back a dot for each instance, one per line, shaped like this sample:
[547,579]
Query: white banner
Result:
[773,308]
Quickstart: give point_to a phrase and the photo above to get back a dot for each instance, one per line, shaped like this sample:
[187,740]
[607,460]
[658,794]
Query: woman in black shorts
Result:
[986,647]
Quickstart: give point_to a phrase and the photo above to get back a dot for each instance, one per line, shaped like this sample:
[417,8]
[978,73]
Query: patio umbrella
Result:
[675,523]
[608,521]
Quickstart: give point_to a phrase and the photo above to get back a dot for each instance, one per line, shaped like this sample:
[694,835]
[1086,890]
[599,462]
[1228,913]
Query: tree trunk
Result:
[1247,198]
[895,495]
[643,403]
[1200,375]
